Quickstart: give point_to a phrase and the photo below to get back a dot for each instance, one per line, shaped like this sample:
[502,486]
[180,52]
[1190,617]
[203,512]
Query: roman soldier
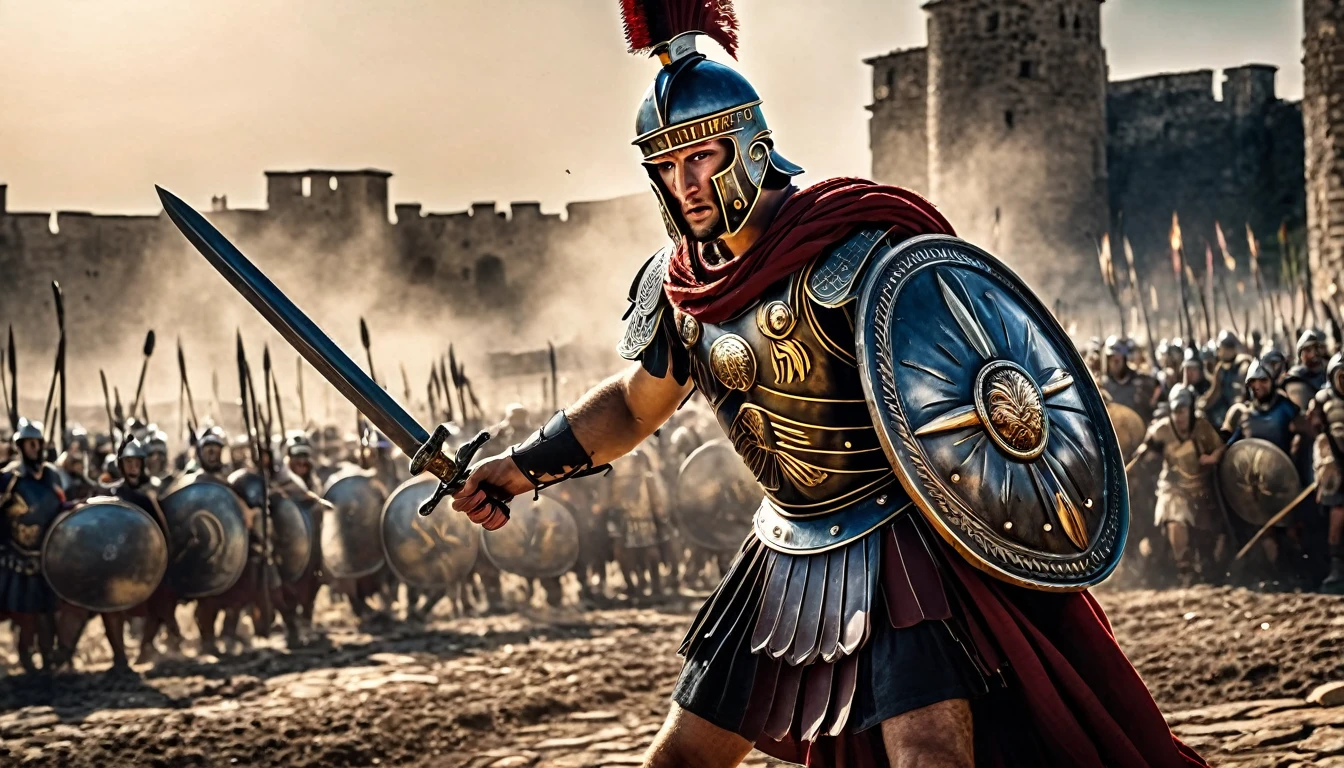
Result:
[210,455]
[783,307]
[1229,378]
[74,481]
[1127,386]
[1307,376]
[31,496]
[1266,413]
[157,467]
[1327,411]
[1187,507]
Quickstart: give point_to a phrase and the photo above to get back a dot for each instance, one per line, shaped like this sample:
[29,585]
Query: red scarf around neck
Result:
[809,222]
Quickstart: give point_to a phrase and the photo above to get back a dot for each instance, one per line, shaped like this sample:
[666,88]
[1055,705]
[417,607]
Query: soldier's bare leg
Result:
[1334,583]
[229,630]
[207,610]
[114,626]
[27,642]
[46,639]
[937,736]
[70,620]
[689,741]
[1178,536]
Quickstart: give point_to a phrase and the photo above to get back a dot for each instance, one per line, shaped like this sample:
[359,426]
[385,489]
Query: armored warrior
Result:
[210,455]
[157,467]
[1187,507]
[849,630]
[1327,415]
[1266,413]
[1127,386]
[1307,376]
[1229,379]
[74,481]
[31,496]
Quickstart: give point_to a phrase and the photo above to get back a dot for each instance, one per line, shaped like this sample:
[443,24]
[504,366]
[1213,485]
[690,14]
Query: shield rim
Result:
[193,480]
[1137,418]
[1254,441]
[332,482]
[926,495]
[548,574]
[686,530]
[382,535]
[66,515]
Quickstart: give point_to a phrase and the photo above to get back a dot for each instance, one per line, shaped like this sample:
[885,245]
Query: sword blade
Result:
[291,323]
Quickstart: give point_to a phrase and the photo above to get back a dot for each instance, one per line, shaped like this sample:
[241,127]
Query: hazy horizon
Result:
[508,101]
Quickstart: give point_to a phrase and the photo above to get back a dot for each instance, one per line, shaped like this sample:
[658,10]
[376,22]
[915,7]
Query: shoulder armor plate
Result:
[647,305]
[835,276]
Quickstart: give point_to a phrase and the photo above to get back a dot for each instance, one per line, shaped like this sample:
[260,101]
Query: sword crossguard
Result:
[452,473]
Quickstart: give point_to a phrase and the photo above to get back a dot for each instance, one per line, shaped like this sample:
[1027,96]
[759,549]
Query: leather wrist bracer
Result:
[552,454]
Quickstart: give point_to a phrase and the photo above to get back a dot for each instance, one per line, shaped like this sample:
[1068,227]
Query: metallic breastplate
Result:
[1333,411]
[1273,424]
[782,380]
[1134,392]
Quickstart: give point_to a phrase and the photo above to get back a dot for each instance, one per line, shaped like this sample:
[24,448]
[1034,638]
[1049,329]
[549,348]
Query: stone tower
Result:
[1017,130]
[1323,122]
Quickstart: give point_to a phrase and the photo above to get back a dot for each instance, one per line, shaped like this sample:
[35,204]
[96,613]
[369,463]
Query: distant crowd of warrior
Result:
[1234,452]
[121,527]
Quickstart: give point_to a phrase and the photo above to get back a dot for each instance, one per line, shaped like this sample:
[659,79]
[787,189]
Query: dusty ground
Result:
[1230,667]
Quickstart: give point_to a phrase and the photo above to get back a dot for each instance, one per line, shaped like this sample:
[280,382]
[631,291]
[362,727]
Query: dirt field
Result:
[1231,667]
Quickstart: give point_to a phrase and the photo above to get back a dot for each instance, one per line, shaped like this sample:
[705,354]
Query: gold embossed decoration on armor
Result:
[788,357]
[758,440]
[775,319]
[733,363]
[1015,410]
[688,328]
[25,536]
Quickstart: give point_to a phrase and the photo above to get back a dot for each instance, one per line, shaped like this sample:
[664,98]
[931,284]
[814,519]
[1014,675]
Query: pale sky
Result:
[462,101]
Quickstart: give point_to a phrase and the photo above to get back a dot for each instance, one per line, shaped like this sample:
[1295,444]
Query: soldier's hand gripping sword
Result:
[425,448]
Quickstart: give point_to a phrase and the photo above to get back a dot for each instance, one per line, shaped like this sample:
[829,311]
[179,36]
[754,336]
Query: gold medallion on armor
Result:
[733,363]
[688,328]
[1009,403]
[775,319]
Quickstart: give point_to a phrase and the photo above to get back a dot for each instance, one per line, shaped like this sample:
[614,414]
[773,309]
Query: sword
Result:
[425,448]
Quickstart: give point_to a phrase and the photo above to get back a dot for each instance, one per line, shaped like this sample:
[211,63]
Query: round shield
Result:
[207,537]
[351,545]
[1257,479]
[541,539]
[716,497]
[989,416]
[1129,428]
[291,538]
[427,551]
[104,555]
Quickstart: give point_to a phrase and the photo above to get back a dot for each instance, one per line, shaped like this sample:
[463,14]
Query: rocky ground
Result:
[1232,668]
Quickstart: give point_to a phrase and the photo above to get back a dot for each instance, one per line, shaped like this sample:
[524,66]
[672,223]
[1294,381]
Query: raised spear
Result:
[458,379]
[1138,297]
[4,384]
[186,385]
[60,319]
[1177,260]
[1230,264]
[107,404]
[405,382]
[298,379]
[429,392]
[247,392]
[144,366]
[364,339]
[13,383]
[555,378]
[443,385]
[272,385]
[1254,246]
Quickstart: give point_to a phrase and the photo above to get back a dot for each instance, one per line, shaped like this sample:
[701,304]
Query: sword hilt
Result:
[452,473]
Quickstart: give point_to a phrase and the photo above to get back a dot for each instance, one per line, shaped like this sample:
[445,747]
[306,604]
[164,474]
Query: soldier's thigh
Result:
[689,741]
[937,736]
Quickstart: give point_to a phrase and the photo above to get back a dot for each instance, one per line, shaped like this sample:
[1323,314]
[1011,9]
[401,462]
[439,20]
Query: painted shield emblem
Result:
[989,416]
[426,551]
[541,539]
[105,555]
[1257,479]
[716,497]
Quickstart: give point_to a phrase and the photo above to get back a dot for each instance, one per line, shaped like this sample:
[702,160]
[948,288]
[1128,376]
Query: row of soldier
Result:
[251,530]
[1233,453]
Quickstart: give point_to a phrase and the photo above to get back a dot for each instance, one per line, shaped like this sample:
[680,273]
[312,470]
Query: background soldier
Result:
[1327,415]
[1307,377]
[1124,384]
[1187,509]
[30,498]
[1229,379]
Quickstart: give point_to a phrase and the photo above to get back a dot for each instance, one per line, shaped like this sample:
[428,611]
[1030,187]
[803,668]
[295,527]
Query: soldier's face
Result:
[31,449]
[300,465]
[1182,417]
[1116,364]
[210,456]
[131,468]
[687,175]
[1261,388]
[1191,374]
[157,461]
[1227,354]
[1311,355]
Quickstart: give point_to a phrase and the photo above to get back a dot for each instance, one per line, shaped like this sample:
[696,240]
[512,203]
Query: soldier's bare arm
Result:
[608,422]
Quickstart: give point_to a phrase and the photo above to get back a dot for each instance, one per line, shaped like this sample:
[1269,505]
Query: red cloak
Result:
[1072,697]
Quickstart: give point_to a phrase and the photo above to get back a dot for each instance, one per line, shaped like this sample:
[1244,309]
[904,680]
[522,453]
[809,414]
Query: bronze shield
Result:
[1300,392]
[1257,479]
[207,537]
[104,555]
[989,417]
[541,539]
[1129,428]
[291,534]
[351,539]
[716,497]
[426,551]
